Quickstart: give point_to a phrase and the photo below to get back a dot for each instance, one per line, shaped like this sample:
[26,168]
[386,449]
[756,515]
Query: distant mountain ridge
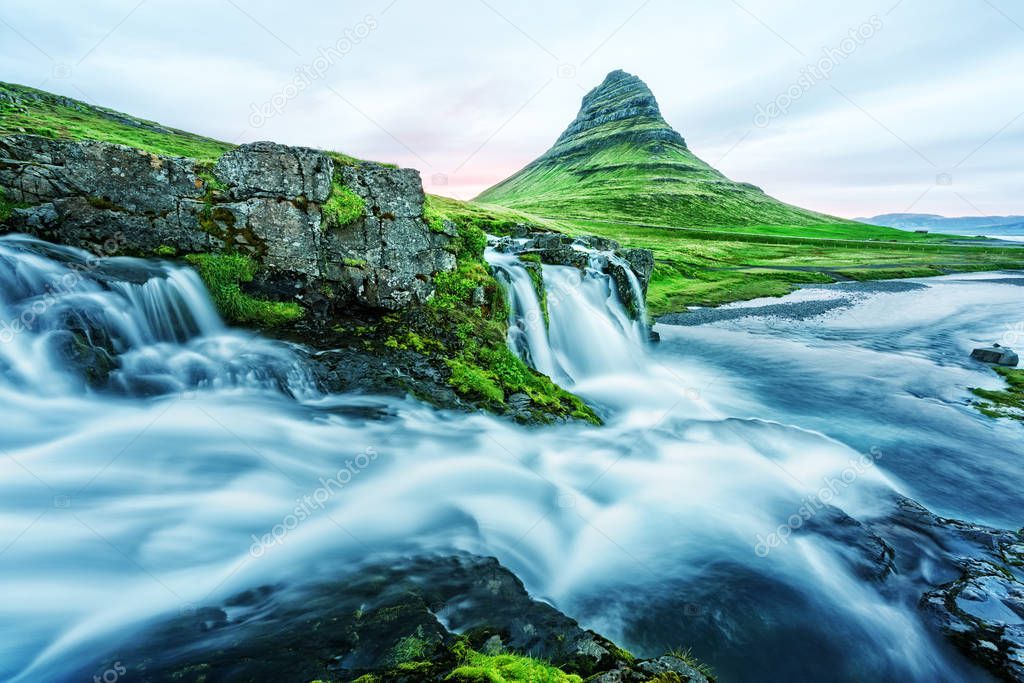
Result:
[1007,225]
[619,159]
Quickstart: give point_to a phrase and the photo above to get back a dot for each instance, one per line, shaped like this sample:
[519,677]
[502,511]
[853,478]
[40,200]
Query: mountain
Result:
[620,159]
[988,225]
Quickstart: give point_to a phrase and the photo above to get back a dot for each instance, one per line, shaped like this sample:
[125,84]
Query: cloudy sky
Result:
[851,108]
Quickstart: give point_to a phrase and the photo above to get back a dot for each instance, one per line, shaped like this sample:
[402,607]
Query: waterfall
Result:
[70,321]
[588,332]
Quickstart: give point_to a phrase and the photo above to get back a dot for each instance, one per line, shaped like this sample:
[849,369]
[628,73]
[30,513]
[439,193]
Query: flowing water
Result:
[203,462]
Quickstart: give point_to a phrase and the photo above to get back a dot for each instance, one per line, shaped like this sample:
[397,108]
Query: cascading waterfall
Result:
[124,324]
[588,333]
[122,505]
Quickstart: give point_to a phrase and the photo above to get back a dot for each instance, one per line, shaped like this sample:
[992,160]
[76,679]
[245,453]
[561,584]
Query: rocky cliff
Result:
[265,200]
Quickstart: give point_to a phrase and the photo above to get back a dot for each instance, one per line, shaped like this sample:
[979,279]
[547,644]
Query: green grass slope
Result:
[620,160]
[29,111]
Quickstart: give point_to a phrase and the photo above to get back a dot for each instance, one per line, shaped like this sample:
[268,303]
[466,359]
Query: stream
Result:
[208,463]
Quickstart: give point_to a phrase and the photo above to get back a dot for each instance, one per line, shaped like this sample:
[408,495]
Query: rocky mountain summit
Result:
[621,109]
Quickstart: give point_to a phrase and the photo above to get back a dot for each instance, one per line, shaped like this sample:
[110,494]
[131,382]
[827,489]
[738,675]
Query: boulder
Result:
[91,195]
[997,355]
[267,169]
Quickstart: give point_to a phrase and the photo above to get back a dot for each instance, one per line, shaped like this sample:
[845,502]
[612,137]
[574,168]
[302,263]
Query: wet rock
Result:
[977,599]
[397,621]
[586,251]
[997,355]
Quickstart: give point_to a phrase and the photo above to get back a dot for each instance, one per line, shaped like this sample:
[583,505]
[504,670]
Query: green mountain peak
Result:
[620,159]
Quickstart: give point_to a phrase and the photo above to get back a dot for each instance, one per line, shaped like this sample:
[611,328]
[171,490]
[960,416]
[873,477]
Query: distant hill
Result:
[969,225]
[620,160]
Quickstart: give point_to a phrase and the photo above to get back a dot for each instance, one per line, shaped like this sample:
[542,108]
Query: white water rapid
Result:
[153,461]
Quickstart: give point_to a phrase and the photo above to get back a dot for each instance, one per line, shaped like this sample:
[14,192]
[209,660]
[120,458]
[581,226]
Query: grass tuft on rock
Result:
[223,275]
[343,207]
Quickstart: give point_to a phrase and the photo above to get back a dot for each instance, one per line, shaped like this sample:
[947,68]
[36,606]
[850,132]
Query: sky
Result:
[854,109]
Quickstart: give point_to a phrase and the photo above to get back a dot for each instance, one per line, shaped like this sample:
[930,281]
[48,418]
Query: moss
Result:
[166,251]
[536,273]
[483,369]
[104,203]
[1008,403]
[210,183]
[343,207]
[223,274]
[508,668]
[5,206]
[354,262]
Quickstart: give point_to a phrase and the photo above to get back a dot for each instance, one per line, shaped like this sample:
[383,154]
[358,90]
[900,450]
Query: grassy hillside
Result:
[620,160]
[26,110]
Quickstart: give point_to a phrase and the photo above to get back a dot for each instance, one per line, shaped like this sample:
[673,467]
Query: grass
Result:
[691,660]
[1008,403]
[709,267]
[36,112]
[494,220]
[222,274]
[343,207]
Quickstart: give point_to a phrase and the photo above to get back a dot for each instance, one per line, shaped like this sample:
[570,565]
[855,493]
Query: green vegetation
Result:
[470,305]
[223,274]
[494,220]
[5,206]
[433,217]
[533,269]
[507,668]
[40,113]
[165,251]
[343,207]
[711,267]
[1008,403]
